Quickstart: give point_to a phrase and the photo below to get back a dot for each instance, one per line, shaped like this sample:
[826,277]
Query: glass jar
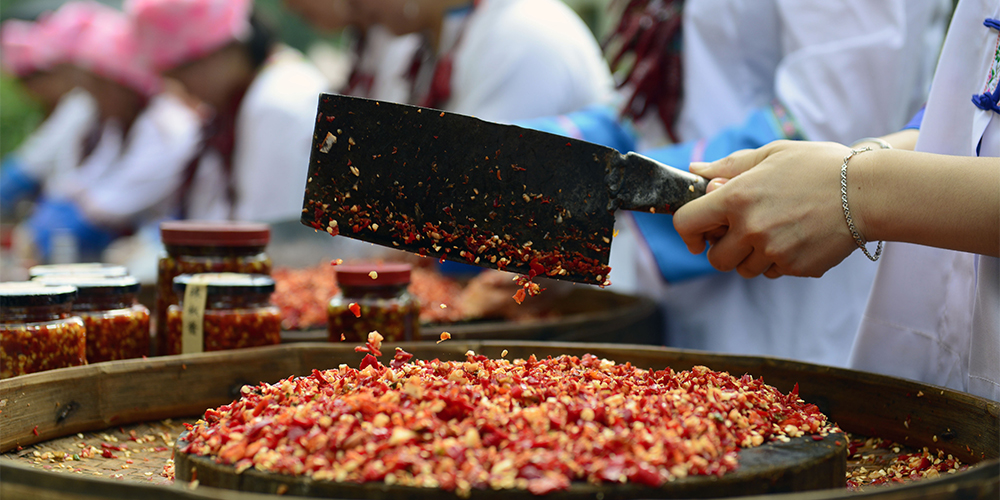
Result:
[97,268]
[117,325]
[193,247]
[231,311]
[373,297]
[37,329]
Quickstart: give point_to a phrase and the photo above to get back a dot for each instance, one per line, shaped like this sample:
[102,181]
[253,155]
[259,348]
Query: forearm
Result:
[941,201]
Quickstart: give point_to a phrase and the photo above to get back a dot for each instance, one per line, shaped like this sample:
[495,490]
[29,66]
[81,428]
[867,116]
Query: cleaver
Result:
[455,187]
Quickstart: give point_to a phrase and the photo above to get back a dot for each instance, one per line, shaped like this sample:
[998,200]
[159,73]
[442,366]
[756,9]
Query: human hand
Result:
[775,210]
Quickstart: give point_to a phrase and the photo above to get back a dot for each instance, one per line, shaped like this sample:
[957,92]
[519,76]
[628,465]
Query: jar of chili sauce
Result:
[117,325]
[94,268]
[206,247]
[220,311]
[38,330]
[373,297]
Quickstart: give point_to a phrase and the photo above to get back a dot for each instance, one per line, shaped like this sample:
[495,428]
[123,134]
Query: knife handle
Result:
[643,184]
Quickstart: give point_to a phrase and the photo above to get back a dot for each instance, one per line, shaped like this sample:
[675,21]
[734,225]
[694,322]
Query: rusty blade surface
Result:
[453,186]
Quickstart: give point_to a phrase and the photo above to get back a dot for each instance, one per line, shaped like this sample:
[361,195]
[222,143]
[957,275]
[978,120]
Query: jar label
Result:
[193,317]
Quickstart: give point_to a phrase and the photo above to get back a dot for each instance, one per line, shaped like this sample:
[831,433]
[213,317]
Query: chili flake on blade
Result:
[487,423]
[374,344]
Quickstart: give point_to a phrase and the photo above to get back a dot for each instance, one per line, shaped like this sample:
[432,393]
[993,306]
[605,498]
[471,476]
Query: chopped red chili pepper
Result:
[484,423]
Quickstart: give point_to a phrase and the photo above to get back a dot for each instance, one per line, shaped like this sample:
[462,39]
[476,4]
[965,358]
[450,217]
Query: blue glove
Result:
[15,184]
[60,215]
[597,124]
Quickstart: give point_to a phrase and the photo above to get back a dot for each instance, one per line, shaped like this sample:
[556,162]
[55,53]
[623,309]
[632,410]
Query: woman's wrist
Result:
[861,193]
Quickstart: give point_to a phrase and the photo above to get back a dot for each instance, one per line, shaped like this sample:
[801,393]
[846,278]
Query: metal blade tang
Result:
[639,183]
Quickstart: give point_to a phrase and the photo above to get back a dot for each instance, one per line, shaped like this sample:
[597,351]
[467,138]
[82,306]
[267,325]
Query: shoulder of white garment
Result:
[525,23]
[74,116]
[288,82]
[520,59]
[171,117]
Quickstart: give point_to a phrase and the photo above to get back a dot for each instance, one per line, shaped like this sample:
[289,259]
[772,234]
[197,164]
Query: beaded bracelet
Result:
[860,240]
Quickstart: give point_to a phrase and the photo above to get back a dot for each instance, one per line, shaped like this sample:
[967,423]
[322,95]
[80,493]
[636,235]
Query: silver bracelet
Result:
[860,240]
[881,142]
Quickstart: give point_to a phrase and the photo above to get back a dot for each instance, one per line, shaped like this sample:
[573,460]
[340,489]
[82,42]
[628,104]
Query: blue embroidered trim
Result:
[987,101]
[784,123]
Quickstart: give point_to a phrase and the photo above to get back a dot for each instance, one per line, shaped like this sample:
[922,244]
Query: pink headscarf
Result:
[52,40]
[109,46]
[24,51]
[174,32]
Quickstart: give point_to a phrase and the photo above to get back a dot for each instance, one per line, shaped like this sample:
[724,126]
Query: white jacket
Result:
[933,314]
[844,70]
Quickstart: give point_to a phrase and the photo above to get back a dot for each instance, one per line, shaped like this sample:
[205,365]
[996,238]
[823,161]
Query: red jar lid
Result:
[214,233]
[361,274]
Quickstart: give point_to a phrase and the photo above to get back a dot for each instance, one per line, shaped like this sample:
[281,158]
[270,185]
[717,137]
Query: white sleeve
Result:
[274,141]
[536,58]
[64,129]
[147,175]
[855,68]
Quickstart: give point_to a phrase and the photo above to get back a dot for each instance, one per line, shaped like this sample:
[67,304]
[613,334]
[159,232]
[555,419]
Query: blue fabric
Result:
[676,263]
[597,124]
[916,120]
[60,215]
[15,184]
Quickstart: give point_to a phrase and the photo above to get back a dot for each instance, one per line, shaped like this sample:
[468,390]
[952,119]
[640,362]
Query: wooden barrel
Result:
[48,405]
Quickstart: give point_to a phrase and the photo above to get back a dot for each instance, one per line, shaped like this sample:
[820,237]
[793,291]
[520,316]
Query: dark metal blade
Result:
[447,185]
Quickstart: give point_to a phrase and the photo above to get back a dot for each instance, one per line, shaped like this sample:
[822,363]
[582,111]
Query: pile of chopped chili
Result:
[303,294]
[877,462]
[494,423]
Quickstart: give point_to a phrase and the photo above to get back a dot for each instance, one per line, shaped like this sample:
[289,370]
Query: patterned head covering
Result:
[174,32]
[38,46]
[24,51]
[107,45]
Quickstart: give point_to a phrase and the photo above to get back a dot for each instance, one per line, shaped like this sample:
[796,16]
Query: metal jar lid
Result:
[34,294]
[92,284]
[227,283]
[214,233]
[95,268]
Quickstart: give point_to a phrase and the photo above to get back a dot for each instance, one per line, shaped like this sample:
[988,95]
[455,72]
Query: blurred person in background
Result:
[144,135]
[755,72]
[380,58]
[499,60]
[39,57]
[261,95]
